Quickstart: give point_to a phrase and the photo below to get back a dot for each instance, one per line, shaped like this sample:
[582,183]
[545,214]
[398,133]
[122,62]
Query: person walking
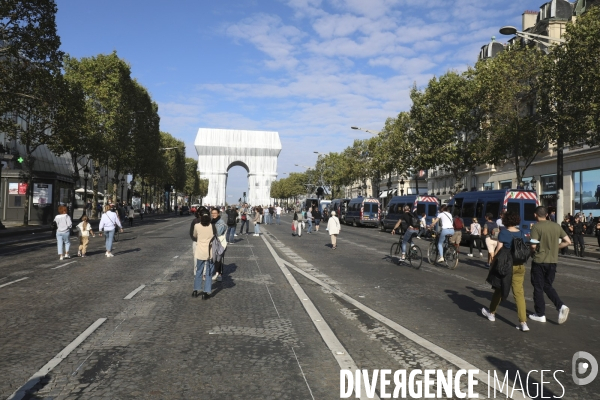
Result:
[257,217]
[589,223]
[422,227]
[490,233]
[446,222]
[546,239]
[84,230]
[568,228]
[309,221]
[271,214]
[333,227]
[278,214]
[515,278]
[196,220]
[232,219]
[475,236]
[203,234]
[62,223]
[108,223]
[317,216]
[298,221]
[130,215]
[244,218]
[220,232]
[597,231]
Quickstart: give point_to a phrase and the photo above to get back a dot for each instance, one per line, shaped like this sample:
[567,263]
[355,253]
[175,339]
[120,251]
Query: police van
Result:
[339,206]
[363,211]
[476,204]
[420,205]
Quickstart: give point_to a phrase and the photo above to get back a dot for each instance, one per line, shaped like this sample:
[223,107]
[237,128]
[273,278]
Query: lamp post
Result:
[122,187]
[4,156]
[511,30]
[132,185]
[86,172]
[143,195]
[401,186]
[389,188]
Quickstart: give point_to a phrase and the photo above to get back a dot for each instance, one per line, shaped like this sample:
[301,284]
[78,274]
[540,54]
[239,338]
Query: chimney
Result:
[529,19]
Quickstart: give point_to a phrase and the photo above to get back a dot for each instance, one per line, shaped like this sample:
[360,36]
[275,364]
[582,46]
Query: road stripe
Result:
[35,378]
[338,350]
[10,283]
[64,265]
[443,353]
[130,295]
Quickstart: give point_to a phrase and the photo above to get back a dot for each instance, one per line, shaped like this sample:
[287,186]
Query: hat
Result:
[333,213]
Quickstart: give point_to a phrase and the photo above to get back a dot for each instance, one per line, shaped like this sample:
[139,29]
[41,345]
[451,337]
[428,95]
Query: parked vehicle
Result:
[184,210]
[339,206]
[477,204]
[309,203]
[418,204]
[363,211]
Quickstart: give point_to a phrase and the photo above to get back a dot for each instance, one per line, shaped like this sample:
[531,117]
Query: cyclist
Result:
[446,222]
[409,224]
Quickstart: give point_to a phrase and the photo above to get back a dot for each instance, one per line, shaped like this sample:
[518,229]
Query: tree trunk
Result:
[95,182]
[29,161]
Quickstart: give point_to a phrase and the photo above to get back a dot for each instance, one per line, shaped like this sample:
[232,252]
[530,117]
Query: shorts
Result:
[456,237]
[491,245]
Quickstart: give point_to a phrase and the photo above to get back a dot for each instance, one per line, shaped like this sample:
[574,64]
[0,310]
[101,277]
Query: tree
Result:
[508,86]
[571,83]
[445,125]
[192,178]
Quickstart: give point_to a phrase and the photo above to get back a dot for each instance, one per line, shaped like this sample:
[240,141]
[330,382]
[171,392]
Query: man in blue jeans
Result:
[545,238]
[406,224]
[446,221]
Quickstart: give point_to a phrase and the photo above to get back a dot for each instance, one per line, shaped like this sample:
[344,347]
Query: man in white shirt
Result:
[499,220]
[278,214]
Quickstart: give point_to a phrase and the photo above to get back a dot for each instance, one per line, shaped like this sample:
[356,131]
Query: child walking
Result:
[85,229]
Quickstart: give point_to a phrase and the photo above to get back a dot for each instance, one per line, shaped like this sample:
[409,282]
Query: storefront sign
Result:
[42,194]
[548,184]
[548,197]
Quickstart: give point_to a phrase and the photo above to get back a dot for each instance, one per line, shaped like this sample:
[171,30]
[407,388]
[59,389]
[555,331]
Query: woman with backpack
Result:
[298,220]
[490,233]
[503,281]
[232,220]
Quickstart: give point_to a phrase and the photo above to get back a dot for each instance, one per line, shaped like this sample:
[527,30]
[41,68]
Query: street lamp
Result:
[86,172]
[122,187]
[365,130]
[511,30]
[132,184]
[402,187]
[4,156]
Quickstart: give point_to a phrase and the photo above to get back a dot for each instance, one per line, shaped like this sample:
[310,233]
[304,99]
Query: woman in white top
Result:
[85,229]
[333,226]
[108,224]
[445,219]
[63,229]
[475,231]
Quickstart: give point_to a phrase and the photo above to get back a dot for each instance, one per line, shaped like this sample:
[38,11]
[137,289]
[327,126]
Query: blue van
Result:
[339,206]
[421,204]
[477,204]
[363,211]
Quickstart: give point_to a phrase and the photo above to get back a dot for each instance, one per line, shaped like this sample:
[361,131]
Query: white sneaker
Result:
[488,314]
[535,317]
[469,255]
[418,237]
[256,234]
[563,314]
[214,277]
[480,254]
[235,234]
[110,255]
[441,260]
[523,327]
[61,257]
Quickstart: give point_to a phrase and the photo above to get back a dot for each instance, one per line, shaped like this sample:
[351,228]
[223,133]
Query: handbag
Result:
[293,227]
[303,225]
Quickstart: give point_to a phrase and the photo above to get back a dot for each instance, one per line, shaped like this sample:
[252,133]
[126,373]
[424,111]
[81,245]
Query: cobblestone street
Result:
[288,315]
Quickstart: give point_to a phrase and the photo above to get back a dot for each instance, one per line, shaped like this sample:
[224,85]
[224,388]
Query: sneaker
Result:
[110,255]
[403,257]
[563,314]
[523,327]
[418,237]
[538,318]
[488,314]
[469,255]
[83,255]
[440,260]
[256,234]
[219,278]
[61,257]
[215,277]
[480,255]
[79,254]
[235,234]
[67,256]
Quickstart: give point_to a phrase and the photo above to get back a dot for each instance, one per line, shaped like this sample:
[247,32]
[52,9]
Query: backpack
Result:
[231,218]
[520,251]
[217,247]
[458,224]
[414,221]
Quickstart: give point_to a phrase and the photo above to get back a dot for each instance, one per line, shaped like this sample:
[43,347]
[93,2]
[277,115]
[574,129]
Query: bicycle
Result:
[413,256]
[450,252]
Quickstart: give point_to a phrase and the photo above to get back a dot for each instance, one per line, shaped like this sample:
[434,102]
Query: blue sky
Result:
[308,69]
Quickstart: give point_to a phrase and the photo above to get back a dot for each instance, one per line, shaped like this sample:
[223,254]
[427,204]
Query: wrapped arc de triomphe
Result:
[221,149]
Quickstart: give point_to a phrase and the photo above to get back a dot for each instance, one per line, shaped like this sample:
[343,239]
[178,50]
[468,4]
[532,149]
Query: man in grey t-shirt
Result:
[547,238]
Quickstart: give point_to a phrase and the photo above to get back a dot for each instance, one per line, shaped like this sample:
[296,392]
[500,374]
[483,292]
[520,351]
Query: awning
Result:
[90,191]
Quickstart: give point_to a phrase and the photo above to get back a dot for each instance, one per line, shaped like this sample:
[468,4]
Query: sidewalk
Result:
[17,229]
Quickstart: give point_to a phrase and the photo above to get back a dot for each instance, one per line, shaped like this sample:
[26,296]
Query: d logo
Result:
[580,368]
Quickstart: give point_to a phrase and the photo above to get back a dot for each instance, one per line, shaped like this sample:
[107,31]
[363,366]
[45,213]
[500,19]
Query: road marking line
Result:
[63,265]
[339,352]
[443,353]
[130,295]
[35,378]
[10,283]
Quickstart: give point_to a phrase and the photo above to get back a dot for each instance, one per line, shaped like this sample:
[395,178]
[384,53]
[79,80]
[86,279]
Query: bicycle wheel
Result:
[432,252]
[415,257]
[395,251]
[451,257]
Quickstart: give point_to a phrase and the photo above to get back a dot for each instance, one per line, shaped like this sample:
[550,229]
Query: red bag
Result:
[293,227]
